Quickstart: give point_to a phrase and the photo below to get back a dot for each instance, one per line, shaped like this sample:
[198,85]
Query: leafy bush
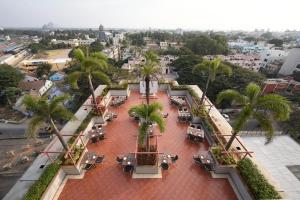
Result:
[77,151]
[222,158]
[36,191]
[257,183]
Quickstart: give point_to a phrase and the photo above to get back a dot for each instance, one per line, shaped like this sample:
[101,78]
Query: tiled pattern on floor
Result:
[184,180]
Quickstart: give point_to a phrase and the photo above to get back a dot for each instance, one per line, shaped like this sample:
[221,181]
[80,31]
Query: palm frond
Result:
[57,101]
[153,107]
[99,56]
[89,63]
[200,68]
[60,112]
[103,77]
[34,125]
[157,118]
[73,79]
[279,106]
[232,96]
[225,69]
[78,54]
[151,56]
[252,91]
[265,122]
[243,117]
[30,102]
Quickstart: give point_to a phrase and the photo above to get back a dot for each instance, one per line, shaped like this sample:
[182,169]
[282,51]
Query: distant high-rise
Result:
[179,31]
[101,27]
[48,26]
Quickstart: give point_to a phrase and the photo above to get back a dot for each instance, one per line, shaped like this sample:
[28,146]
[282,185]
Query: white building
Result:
[292,62]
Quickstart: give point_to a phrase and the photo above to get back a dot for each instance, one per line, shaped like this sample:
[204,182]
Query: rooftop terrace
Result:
[184,180]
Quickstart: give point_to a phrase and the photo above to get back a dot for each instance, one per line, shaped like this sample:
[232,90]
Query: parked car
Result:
[226,117]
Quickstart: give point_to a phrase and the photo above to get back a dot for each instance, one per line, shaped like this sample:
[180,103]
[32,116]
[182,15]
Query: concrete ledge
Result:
[140,176]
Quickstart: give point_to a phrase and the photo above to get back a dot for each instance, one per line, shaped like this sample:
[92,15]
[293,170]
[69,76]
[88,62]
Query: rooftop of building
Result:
[184,180]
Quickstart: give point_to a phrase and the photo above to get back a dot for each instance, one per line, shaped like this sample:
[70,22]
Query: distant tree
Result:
[43,69]
[267,35]
[296,75]
[11,94]
[239,80]
[250,39]
[207,44]
[276,42]
[292,125]
[9,76]
[96,47]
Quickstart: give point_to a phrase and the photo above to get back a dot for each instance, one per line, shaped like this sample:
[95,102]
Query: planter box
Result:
[54,185]
[146,169]
[75,169]
[234,178]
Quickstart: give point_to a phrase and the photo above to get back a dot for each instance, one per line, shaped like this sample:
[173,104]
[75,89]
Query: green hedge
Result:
[258,184]
[36,191]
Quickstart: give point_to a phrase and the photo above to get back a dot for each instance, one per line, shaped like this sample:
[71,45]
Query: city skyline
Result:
[134,14]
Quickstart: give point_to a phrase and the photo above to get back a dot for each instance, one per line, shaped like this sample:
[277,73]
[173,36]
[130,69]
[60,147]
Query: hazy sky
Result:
[186,14]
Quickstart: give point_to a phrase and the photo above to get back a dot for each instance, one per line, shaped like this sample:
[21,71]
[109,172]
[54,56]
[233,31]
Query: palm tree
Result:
[254,105]
[150,71]
[47,111]
[92,66]
[211,68]
[148,115]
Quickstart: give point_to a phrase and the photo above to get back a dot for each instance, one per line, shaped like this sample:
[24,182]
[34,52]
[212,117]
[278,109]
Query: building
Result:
[36,87]
[163,45]
[56,63]
[292,62]
[271,55]
[281,85]
[57,77]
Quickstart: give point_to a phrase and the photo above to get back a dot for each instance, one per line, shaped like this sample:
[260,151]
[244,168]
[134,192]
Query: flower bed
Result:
[36,191]
[258,184]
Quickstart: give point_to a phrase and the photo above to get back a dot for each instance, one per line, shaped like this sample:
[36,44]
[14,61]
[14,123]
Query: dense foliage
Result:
[45,44]
[256,182]
[43,69]
[239,79]
[9,76]
[207,44]
[36,191]
[276,42]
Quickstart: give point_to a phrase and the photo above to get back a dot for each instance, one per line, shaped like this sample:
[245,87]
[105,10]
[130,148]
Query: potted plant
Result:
[148,115]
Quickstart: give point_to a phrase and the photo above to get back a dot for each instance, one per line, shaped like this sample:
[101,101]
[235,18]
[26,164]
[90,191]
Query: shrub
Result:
[222,158]
[258,184]
[77,151]
[36,191]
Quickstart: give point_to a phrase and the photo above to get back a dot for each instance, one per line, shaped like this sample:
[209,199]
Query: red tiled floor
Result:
[184,180]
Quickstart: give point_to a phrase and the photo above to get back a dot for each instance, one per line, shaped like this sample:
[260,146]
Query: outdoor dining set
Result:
[195,133]
[91,160]
[204,159]
[117,101]
[110,116]
[128,162]
[179,101]
[96,133]
[184,114]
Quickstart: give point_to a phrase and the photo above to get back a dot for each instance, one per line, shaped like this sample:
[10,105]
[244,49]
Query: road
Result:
[13,130]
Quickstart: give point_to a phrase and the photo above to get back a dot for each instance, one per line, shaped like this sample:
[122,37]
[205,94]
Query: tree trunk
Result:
[229,143]
[204,92]
[147,80]
[94,100]
[57,133]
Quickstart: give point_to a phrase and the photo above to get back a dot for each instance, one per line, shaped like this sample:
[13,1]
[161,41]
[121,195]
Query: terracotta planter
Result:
[75,169]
